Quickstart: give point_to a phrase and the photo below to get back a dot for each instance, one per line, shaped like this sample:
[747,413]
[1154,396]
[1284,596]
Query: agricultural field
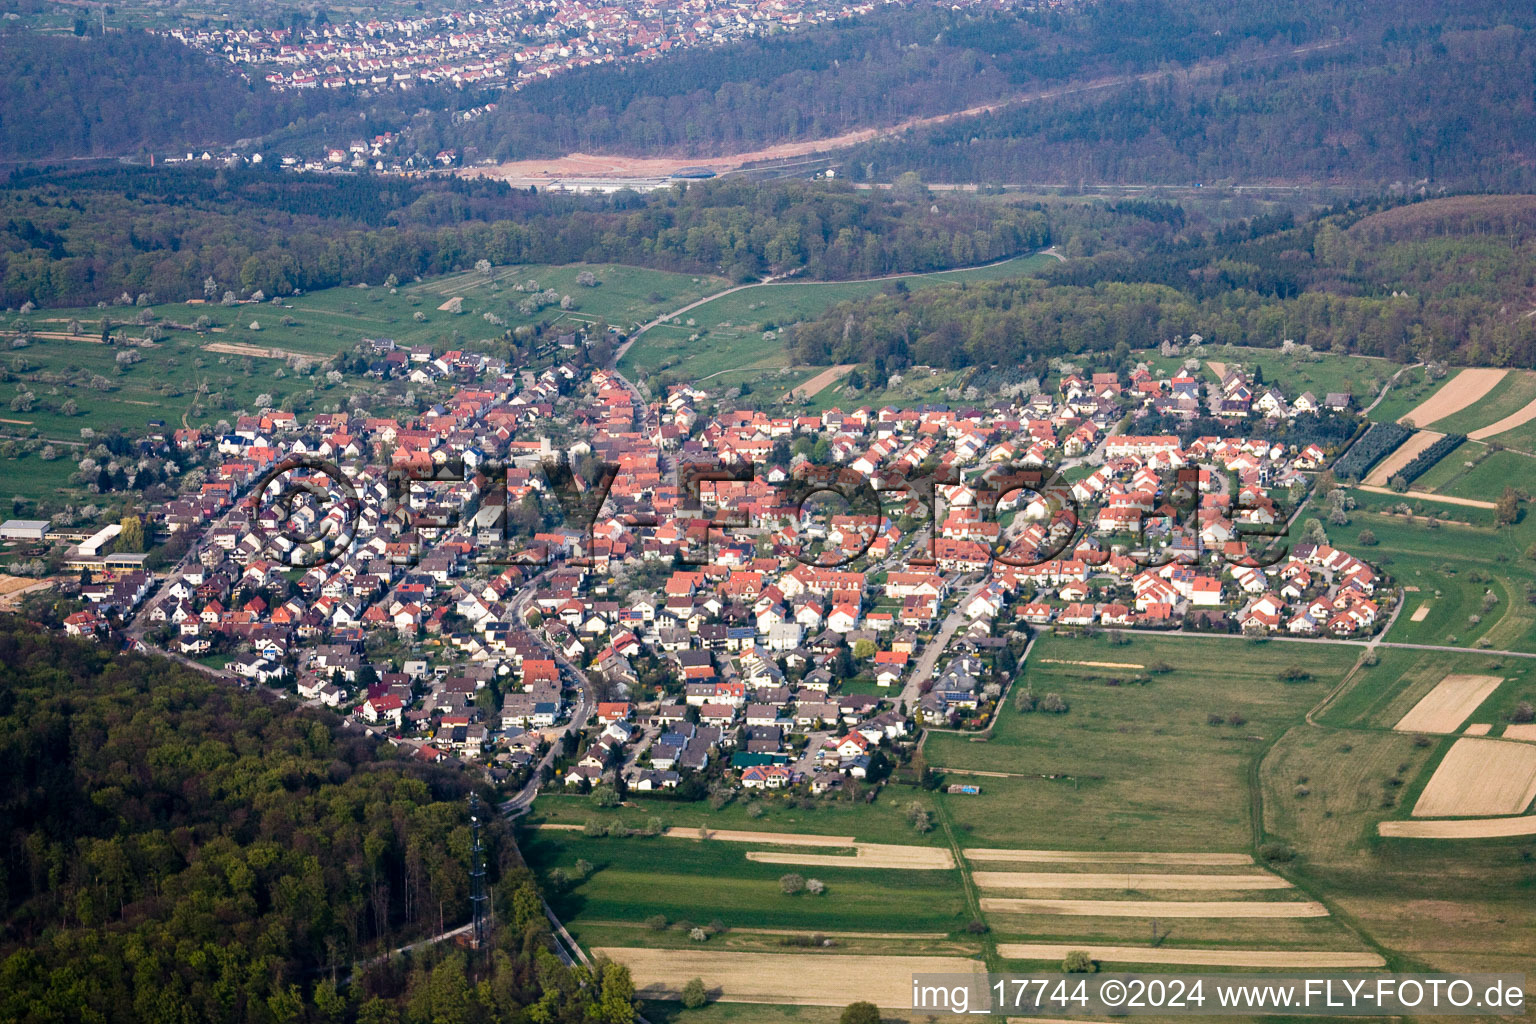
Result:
[1463,390]
[1412,388]
[726,336]
[1112,772]
[1512,394]
[1331,782]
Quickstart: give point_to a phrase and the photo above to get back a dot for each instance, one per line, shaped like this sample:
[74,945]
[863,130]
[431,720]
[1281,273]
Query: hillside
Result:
[1445,279]
[1442,95]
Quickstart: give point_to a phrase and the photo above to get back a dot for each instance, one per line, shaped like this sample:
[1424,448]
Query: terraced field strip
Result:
[1403,454]
[1458,393]
[1154,908]
[1481,828]
[1451,702]
[1107,857]
[1510,422]
[802,979]
[1125,880]
[1201,957]
[1480,776]
[866,855]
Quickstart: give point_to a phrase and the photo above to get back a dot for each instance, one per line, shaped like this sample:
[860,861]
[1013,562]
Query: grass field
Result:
[727,334]
[1115,771]
[1455,568]
[1485,480]
[1411,389]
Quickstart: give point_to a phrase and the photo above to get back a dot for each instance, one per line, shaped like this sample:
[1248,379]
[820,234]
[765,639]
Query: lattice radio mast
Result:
[478,897]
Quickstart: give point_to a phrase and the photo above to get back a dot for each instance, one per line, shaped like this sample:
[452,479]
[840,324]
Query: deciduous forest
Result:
[174,850]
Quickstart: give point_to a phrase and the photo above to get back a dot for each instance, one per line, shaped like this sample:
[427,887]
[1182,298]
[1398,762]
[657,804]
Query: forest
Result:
[175,850]
[129,93]
[75,238]
[1445,93]
[876,71]
[1431,280]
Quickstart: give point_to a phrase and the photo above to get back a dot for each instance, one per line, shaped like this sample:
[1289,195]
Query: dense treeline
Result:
[174,850]
[73,239]
[880,70]
[1415,91]
[128,93]
[1331,283]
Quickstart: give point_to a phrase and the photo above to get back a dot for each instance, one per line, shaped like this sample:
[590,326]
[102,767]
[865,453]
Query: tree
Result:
[860,1012]
[131,539]
[1507,509]
[1367,538]
[694,994]
[864,649]
[1078,962]
[792,883]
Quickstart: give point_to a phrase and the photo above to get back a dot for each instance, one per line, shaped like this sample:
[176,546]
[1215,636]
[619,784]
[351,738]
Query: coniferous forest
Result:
[175,850]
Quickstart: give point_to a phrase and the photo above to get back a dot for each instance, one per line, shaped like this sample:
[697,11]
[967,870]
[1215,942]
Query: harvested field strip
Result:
[1480,729]
[1116,857]
[1520,732]
[1451,702]
[1480,776]
[1205,957]
[1483,828]
[1124,880]
[1420,613]
[235,348]
[1405,453]
[1093,664]
[1458,393]
[1510,422]
[814,386]
[1152,908]
[737,930]
[769,838]
[866,855]
[804,979]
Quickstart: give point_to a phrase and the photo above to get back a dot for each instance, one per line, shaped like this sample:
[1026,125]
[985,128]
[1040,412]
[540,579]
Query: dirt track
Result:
[1480,776]
[1118,857]
[1124,880]
[1444,499]
[1206,957]
[1458,393]
[1153,908]
[1400,457]
[1451,702]
[803,979]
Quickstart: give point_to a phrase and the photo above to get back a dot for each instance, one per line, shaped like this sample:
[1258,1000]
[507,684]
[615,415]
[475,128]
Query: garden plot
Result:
[1451,702]
[803,979]
[1480,777]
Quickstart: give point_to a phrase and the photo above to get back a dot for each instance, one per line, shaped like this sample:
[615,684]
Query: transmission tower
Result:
[479,899]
